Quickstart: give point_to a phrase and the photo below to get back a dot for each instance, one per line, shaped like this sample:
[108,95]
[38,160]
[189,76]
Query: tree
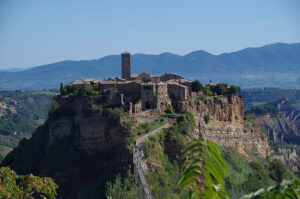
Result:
[25,186]
[220,89]
[235,89]
[208,91]
[204,171]
[196,86]
[61,88]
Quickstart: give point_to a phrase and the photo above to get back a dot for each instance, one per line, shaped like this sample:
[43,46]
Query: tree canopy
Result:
[235,89]
[197,86]
[25,186]
[220,89]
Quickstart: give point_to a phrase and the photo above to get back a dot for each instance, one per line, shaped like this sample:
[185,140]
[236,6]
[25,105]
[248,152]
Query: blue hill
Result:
[274,65]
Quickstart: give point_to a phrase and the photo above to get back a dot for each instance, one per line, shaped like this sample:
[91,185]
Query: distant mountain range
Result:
[274,65]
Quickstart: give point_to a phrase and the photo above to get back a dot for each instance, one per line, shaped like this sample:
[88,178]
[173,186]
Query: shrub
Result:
[113,114]
[196,86]
[220,89]
[208,91]
[170,109]
[235,89]
[279,172]
[79,90]
[206,119]
[25,186]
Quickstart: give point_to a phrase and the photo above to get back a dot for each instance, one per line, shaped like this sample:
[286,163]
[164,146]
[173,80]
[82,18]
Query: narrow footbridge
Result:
[137,161]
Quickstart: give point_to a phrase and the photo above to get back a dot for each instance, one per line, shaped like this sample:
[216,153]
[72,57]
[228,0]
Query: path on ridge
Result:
[137,157]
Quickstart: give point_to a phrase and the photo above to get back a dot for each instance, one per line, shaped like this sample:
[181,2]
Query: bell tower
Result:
[126,65]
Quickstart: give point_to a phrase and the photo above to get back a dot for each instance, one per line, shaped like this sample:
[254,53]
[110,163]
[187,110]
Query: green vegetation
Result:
[206,119]
[20,114]
[261,96]
[200,97]
[208,91]
[147,127]
[234,89]
[220,89]
[197,86]
[286,189]
[166,166]
[170,110]
[262,110]
[169,115]
[81,90]
[25,186]
[248,177]
[204,171]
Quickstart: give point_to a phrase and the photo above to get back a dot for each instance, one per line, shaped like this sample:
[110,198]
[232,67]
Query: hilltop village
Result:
[144,91]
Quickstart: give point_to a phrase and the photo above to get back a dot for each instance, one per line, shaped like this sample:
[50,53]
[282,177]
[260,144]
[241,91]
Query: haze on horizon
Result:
[39,32]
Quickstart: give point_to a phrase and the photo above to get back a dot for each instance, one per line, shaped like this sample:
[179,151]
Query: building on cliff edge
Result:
[144,91]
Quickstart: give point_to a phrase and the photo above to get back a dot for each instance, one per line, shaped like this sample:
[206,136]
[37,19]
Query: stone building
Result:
[141,92]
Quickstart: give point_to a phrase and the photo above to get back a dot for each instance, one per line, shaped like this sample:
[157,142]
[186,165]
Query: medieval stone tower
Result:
[126,65]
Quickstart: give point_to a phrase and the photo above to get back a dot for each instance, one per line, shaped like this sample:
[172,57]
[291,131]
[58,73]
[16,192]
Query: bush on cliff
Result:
[235,89]
[25,186]
[220,89]
[197,86]
[279,172]
[208,91]
[78,90]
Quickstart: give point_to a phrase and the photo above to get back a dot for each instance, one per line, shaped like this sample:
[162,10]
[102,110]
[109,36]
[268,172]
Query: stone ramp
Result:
[138,159]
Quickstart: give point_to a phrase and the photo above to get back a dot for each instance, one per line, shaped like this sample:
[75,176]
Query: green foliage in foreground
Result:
[25,186]
[204,171]
[286,189]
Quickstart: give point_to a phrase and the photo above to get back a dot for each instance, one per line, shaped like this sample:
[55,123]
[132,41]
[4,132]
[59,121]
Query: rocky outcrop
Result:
[284,131]
[80,148]
[283,126]
[290,157]
[220,119]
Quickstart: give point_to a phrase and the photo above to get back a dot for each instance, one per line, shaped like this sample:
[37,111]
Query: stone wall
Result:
[177,92]
[148,96]
[131,90]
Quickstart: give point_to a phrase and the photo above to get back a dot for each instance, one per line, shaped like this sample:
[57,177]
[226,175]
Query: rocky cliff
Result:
[79,147]
[220,119]
[284,132]
[83,143]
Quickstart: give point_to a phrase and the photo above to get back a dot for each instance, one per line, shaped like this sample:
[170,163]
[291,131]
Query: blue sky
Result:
[36,32]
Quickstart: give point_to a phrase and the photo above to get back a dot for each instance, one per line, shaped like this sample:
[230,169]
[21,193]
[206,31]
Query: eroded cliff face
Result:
[284,127]
[82,150]
[290,157]
[220,119]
